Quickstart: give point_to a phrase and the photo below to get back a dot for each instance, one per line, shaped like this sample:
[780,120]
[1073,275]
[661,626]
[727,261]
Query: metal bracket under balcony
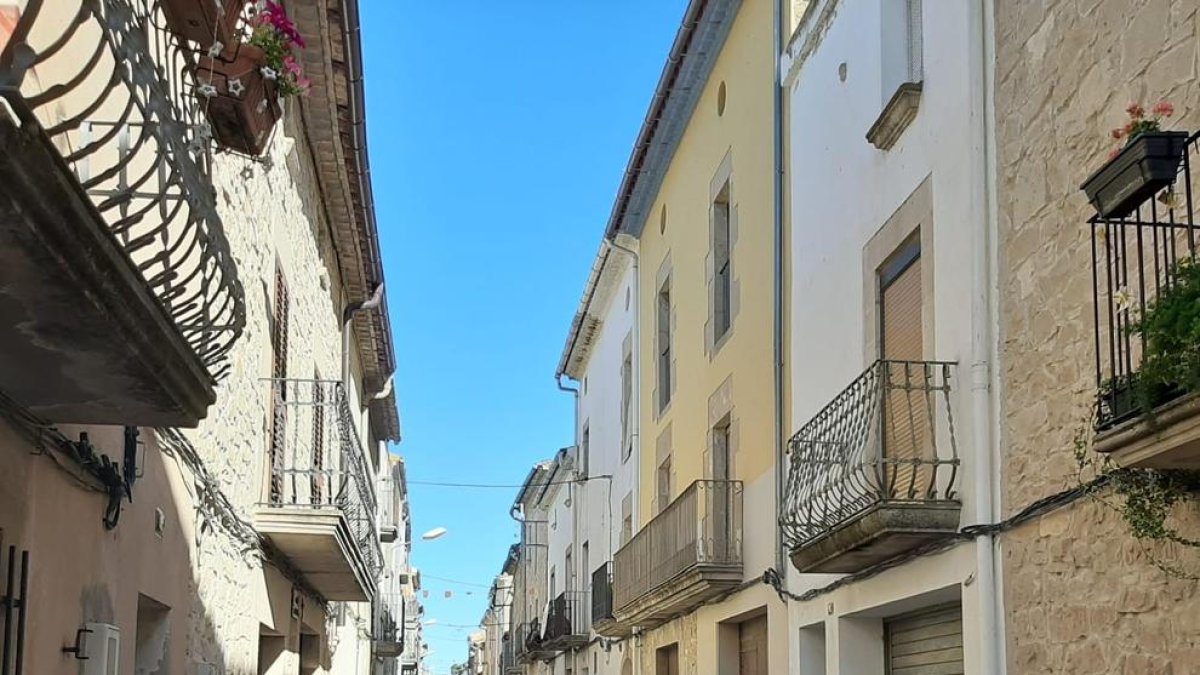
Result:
[320,507]
[873,474]
[1141,422]
[120,298]
[688,555]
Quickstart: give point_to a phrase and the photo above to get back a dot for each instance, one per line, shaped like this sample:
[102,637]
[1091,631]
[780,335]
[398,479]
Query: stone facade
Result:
[1081,595]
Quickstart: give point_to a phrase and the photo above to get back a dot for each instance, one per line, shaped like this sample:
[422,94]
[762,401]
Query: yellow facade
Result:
[744,134]
[732,379]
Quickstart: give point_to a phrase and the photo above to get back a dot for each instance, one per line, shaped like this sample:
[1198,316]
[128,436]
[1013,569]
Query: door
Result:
[925,643]
[906,427]
[752,647]
[667,660]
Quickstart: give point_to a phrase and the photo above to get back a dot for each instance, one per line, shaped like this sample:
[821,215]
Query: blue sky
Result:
[498,133]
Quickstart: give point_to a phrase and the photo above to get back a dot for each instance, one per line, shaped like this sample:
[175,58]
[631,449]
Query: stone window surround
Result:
[662,454]
[721,181]
[914,217]
[721,414]
[901,92]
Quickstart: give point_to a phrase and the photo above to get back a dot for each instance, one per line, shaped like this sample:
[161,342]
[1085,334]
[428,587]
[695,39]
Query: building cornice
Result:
[334,120]
[698,42]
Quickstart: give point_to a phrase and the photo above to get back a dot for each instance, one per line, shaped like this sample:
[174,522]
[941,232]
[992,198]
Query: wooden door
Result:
[752,647]
[667,660]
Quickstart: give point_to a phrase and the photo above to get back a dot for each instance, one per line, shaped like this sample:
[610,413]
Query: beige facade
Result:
[1081,594]
[205,562]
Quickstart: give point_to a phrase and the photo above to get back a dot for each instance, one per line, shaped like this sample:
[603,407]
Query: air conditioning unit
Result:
[103,649]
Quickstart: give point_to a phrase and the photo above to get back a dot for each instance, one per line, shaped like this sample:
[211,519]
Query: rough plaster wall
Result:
[681,631]
[1080,595]
[268,215]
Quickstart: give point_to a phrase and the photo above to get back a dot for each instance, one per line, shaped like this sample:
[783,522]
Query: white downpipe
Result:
[983,332]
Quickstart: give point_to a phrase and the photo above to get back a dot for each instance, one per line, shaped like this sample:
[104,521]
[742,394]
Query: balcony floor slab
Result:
[877,534]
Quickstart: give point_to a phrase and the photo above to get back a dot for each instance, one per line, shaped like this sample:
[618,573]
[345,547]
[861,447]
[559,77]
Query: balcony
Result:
[120,300]
[567,622]
[389,510]
[320,507]
[873,474]
[388,633]
[1146,422]
[604,620]
[530,644]
[689,554]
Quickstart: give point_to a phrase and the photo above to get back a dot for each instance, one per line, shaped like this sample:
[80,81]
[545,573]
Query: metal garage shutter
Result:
[925,643]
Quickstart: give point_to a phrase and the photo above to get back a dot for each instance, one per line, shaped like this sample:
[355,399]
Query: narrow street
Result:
[672,337]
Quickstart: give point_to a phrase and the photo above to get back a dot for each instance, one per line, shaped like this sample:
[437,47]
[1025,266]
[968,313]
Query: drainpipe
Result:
[635,431]
[983,331]
[347,316]
[780,431]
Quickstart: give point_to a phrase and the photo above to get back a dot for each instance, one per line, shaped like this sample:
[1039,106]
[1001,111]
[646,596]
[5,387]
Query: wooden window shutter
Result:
[279,359]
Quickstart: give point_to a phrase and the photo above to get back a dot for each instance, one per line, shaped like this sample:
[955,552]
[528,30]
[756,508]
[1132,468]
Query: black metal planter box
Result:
[1147,164]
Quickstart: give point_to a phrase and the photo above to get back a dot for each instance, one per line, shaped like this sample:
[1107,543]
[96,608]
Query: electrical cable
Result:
[489,486]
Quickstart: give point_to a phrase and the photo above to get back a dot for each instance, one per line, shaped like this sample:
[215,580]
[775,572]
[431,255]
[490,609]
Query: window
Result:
[906,431]
[664,483]
[902,58]
[585,449]
[571,578]
[279,360]
[151,641]
[722,287]
[722,461]
[900,311]
[663,322]
[585,563]
[626,518]
[627,405]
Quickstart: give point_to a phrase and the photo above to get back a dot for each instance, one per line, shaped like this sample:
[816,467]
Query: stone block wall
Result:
[1081,595]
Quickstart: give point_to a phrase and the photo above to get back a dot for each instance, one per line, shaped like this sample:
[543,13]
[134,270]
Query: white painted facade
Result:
[844,200]
[608,495]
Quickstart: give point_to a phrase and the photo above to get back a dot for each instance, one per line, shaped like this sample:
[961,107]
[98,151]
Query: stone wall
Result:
[1081,596]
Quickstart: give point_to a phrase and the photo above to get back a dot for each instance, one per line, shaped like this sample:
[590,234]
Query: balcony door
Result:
[905,418]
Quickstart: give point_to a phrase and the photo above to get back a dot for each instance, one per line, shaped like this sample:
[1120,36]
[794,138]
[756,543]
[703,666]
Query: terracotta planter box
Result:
[245,106]
[1147,164]
[202,21]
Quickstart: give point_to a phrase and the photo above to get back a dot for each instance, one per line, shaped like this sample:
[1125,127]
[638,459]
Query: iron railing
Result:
[1133,260]
[109,86]
[316,458]
[568,617]
[602,593]
[703,526]
[508,654]
[388,611]
[877,442]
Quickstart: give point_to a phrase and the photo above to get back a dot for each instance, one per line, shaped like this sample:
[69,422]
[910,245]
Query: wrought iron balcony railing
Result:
[568,623]
[602,594]
[887,439]
[1133,260]
[388,631]
[106,85]
[700,529]
[316,459]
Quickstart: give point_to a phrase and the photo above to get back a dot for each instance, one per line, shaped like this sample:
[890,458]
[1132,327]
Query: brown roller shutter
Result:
[906,432]
[926,643]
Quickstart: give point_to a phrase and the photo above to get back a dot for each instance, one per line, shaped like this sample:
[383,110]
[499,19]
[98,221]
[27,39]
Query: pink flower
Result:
[1118,133]
[1112,154]
[291,65]
[1163,109]
[1136,111]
